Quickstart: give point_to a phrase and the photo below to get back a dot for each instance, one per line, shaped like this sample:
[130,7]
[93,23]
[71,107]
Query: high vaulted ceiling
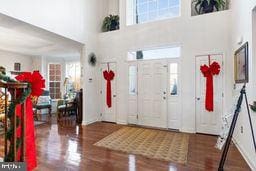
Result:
[19,37]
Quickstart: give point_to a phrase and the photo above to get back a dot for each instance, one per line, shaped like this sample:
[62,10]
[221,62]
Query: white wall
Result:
[242,24]
[94,13]
[196,35]
[63,17]
[7,60]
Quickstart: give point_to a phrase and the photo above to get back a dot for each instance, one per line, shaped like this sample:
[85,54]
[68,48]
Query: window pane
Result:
[58,66]
[164,13]
[143,18]
[174,3]
[160,53]
[142,8]
[162,4]
[51,66]
[152,6]
[54,80]
[173,68]
[152,15]
[132,80]
[151,10]
[141,1]
[173,78]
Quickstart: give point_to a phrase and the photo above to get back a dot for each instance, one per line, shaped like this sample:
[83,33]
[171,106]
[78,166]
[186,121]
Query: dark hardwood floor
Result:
[68,148]
[71,148]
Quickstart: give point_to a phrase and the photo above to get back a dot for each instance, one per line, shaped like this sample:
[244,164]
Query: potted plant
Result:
[208,6]
[110,23]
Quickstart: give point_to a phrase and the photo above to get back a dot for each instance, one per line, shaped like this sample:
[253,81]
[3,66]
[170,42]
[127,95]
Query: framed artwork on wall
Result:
[241,64]
[16,66]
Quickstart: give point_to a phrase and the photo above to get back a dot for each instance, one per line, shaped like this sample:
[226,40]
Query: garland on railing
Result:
[35,88]
[10,113]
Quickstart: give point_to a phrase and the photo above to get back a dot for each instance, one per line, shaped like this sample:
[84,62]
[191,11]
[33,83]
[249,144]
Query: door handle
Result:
[198,98]
[164,92]
[164,98]
[114,95]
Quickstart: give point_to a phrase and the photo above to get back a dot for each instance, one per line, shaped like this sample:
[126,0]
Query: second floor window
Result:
[142,11]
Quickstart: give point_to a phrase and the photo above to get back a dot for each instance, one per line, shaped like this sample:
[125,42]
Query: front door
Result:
[152,93]
[108,113]
[208,122]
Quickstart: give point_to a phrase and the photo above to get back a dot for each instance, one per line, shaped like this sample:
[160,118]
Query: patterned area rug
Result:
[156,144]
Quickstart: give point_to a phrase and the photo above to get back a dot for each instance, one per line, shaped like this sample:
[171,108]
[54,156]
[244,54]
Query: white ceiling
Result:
[19,37]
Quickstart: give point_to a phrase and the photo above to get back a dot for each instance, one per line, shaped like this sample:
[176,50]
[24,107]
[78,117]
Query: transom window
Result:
[142,11]
[158,53]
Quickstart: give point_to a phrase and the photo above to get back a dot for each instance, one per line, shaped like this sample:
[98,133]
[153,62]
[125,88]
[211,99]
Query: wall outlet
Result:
[242,129]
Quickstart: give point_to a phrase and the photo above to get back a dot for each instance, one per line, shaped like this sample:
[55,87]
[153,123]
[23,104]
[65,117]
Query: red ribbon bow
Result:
[109,75]
[37,84]
[209,72]
[36,81]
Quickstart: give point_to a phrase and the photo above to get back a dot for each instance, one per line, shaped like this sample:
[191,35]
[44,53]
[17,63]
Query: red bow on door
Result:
[209,72]
[109,76]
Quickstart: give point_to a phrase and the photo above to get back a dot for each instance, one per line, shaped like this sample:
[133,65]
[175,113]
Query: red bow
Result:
[36,81]
[109,75]
[209,72]
[37,84]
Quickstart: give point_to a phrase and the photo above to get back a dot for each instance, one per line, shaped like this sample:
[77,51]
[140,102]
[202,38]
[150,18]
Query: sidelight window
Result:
[173,78]
[132,80]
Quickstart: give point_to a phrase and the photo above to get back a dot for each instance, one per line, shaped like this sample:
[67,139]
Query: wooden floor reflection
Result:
[61,148]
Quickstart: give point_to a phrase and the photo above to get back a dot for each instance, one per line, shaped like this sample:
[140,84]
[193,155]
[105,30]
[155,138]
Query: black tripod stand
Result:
[233,125]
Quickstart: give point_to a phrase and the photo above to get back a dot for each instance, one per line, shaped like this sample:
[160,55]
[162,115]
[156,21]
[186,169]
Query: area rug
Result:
[156,144]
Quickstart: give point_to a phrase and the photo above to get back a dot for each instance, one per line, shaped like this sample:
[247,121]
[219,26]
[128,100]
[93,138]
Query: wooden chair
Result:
[66,108]
[40,106]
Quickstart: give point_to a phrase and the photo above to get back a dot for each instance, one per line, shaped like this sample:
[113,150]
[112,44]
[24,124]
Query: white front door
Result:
[208,122]
[152,93]
[108,114]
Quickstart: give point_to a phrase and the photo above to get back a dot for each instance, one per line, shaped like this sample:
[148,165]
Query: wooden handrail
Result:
[12,87]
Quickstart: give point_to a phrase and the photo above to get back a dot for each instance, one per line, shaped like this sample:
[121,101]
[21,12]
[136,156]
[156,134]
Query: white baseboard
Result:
[90,121]
[121,122]
[187,130]
[240,148]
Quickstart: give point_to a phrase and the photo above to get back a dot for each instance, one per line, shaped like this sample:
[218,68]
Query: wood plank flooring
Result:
[71,148]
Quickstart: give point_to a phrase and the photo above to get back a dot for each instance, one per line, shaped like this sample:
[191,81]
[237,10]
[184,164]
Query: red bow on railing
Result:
[209,72]
[37,83]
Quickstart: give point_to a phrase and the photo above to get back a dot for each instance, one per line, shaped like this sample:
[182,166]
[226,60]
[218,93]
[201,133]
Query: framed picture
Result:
[241,64]
[16,66]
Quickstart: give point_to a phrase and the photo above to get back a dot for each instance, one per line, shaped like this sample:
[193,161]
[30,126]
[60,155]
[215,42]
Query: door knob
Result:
[164,92]
[164,98]
[114,95]
[198,98]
